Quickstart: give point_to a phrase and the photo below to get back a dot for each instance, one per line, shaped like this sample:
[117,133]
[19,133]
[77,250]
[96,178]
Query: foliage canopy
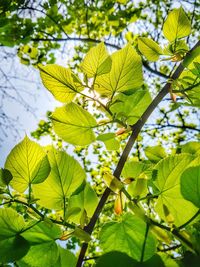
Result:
[52,202]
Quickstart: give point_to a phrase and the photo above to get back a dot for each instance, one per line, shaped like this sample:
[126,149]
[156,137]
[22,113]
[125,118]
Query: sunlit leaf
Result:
[155,153]
[65,177]
[86,200]
[74,124]
[149,48]
[190,185]
[66,258]
[169,171]
[12,245]
[42,232]
[60,81]
[191,148]
[44,250]
[109,141]
[115,258]
[125,74]
[28,163]
[127,236]
[97,61]
[135,169]
[131,107]
[177,25]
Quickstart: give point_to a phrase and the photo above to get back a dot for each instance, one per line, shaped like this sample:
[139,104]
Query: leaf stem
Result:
[144,243]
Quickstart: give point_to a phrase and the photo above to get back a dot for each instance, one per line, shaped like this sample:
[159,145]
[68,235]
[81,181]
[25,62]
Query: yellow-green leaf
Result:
[74,124]
[97,61]
[127,235]
[65,177]
[169,171]
[60,81]
[12,245]
[149,48]
[177,25]
[155,153]
[28,164]
[125,74]
[86,200]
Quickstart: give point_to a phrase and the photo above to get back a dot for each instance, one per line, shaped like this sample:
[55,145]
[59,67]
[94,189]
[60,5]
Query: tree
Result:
[155,196]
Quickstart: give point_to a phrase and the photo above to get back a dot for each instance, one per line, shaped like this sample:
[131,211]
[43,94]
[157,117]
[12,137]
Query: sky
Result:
[32,103]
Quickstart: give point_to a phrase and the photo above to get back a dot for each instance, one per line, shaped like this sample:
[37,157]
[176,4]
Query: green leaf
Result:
[42,232]
[109,141]
[168,261]
[125,74]
[191,148]
[190,185]
[169,171]
[97,61]
[40,255]
[60,81]
[66,258]
[127,236]
[5,177]
[188,79]
[149,48]
[118,259]
[180,46]
[44,250]
[115,258]
[155,153]
[65,177]
[82,235]
[190,260]
[86,200]
[131,107]
[134,169]
[12,245]
[177,25]
[28,164]
[74,124]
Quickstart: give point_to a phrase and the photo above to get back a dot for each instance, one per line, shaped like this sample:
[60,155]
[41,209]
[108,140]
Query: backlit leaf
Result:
[66,258]
[191,148]
[12,245]
[149,48]
[190,185]
[125,74]
[155,153]
[60,81]
[109,141]
[169,171]
[86,200]
[127,236]
[97,61]
[131,107]
[74,124]
[177,25]
[28,163]
[65,177]
[44,250]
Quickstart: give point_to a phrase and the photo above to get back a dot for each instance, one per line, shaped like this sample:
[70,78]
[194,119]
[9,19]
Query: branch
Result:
[136,128]
[184,127]
[42,216]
